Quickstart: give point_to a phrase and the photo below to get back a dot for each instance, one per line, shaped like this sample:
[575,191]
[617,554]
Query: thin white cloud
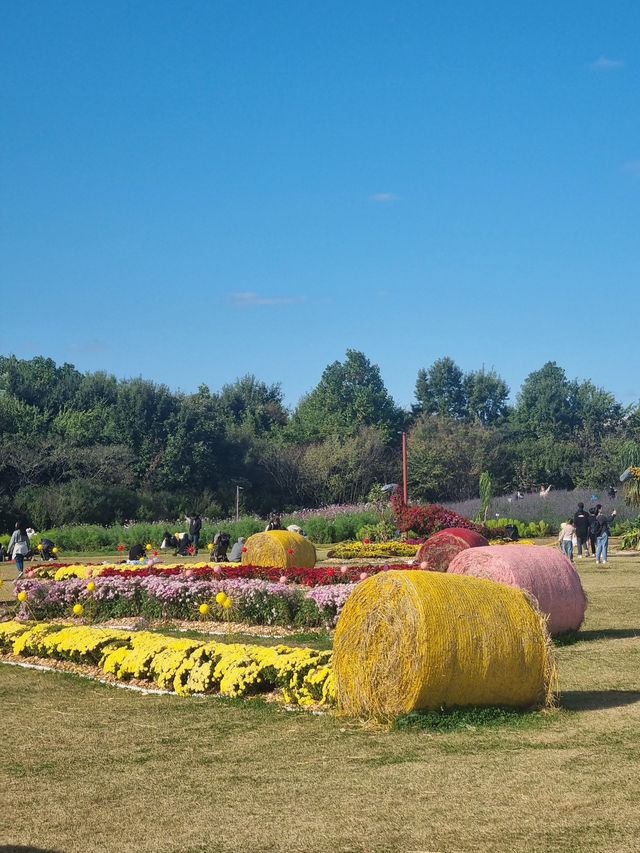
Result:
[633,168]
[604,64]
[252,300]
[384,198]
[87,346]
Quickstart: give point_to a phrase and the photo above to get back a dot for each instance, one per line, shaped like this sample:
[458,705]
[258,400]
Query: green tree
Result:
[597,412]
[486,396]
[251,407]
[350,395]
[547,403]
[440,390]
[446,458]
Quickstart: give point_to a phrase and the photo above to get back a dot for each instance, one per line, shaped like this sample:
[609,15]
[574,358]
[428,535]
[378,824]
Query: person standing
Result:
[581,524]
[565,538]
[602,532]
[593,514]
[19,546]
[195,526]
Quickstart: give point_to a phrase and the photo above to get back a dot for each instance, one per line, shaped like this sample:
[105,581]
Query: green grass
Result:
[92,768]
[456,719]
[315,640]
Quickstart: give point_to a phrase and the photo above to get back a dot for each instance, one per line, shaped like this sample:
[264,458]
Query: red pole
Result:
[404,467]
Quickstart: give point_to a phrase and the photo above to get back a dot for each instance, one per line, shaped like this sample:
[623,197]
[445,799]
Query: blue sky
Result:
[192,191]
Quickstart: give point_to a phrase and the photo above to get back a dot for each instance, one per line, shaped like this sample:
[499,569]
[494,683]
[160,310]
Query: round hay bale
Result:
[439,549]
[544,572]
[282,549]
[411,640]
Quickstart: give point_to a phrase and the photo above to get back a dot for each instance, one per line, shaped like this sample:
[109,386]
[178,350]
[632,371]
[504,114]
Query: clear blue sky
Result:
[192,191]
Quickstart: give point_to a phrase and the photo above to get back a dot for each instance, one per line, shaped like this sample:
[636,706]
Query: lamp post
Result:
[404,468]
[238,490]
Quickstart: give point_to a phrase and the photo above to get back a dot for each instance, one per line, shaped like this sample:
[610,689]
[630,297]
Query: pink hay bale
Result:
[544,572]
[439,549]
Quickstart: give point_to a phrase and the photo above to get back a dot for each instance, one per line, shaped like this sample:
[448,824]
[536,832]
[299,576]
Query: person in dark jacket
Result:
[581,524]
[46,552]
[195,526]
[593,538]
[602,532]
[136,552]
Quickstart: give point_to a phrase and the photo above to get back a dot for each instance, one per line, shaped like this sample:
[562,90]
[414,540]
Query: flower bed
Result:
[258,602]
[186,666]
[372,550]
[309,577]
[319,576]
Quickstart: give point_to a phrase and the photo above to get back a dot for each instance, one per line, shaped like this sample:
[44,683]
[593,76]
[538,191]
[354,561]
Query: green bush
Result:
[525,531]
[318,529]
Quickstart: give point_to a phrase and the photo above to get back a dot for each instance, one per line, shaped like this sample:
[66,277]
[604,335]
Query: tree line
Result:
[86,447]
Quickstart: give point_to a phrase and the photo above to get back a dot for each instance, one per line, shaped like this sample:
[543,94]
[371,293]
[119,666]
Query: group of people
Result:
[588,530]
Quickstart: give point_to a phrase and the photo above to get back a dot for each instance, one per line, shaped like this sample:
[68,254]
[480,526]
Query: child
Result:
[565,537]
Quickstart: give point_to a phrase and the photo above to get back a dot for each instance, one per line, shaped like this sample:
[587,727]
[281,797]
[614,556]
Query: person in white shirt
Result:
[565,537]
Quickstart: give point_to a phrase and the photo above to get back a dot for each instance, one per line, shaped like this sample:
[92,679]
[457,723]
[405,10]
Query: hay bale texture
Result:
[280,548]
[440,549]
[544,572]
[411,640]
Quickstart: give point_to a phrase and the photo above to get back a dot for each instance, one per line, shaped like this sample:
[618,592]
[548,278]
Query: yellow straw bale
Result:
[412,640]
[280,548]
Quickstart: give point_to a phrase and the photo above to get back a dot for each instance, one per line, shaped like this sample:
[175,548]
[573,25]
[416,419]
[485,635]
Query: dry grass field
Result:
[92,768]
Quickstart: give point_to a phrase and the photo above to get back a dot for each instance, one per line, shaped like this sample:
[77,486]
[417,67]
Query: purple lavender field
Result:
[554,508]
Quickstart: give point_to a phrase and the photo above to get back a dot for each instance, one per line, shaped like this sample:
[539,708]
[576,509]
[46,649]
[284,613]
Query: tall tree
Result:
[350,395]
[440,390]
[486,396]
[252,406]
[547,403]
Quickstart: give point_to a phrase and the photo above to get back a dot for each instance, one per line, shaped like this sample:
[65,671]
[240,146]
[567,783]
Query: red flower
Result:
[291,550]
[330,572]
[120,547]
[155,553]
[366,541]
[244,550]
[191,550]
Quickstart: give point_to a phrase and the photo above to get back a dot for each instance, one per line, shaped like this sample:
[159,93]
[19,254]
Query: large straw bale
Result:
[272,549]
[546,573]
[439,549]
[418,640]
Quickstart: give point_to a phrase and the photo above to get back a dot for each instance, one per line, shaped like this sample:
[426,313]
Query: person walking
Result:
[19,546]
[581,524]
[602,532]
[565,538]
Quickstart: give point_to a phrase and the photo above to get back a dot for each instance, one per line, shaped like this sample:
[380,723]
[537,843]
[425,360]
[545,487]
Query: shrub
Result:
[425,520]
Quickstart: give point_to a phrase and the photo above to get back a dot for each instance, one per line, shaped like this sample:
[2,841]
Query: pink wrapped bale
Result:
[544,572]
[440,549]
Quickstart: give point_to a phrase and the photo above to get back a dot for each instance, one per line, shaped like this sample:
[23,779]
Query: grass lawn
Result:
[93,768]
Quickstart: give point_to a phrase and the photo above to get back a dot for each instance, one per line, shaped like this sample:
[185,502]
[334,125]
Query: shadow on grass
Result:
[597,700]
[19,848]
[572,637]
